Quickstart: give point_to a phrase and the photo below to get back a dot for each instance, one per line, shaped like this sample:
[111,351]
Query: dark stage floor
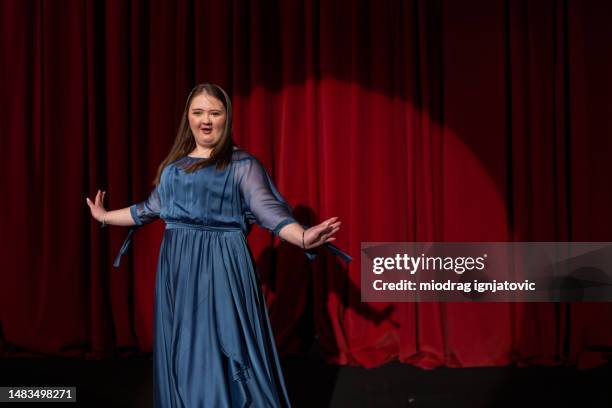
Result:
[312,383]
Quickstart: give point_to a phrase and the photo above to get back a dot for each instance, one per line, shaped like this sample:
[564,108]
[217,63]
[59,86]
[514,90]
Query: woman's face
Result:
[206,120]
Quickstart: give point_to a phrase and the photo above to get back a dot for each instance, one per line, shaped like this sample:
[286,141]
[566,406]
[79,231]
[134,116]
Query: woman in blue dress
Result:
[213,344]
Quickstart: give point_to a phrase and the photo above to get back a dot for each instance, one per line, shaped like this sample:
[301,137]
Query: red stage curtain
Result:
[411,120]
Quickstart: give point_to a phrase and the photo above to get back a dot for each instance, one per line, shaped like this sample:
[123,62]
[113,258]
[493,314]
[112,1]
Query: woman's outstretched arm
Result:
[117,217]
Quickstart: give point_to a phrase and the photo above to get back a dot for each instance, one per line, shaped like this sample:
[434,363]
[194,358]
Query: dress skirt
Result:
[213,344]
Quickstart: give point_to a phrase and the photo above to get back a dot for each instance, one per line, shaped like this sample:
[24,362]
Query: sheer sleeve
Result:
[261,197]
[265,204]
[148,210]
[143,213]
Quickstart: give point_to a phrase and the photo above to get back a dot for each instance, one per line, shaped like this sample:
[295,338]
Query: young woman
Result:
[213,345]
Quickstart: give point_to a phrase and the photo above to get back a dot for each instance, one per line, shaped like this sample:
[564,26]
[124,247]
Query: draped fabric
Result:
[410,120]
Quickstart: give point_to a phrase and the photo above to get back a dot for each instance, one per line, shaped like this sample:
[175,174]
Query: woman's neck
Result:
[201,152]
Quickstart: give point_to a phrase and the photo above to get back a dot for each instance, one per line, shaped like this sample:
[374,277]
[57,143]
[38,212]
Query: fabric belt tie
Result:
[181,225]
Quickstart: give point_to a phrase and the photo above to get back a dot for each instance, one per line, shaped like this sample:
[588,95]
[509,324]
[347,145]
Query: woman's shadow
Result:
[297,289]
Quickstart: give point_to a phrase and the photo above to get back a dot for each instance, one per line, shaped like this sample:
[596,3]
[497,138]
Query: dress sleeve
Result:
[262,199]
[143,212]
[148,210]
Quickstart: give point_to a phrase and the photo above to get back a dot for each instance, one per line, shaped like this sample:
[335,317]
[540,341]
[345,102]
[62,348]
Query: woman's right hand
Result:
[97,207]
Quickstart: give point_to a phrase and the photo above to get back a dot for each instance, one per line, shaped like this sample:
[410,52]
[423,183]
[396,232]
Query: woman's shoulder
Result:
[243,161]
[240,155]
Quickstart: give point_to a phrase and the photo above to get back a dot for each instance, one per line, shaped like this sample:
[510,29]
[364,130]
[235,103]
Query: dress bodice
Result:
[234,197]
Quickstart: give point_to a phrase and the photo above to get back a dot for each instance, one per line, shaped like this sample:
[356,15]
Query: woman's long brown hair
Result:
[184,142]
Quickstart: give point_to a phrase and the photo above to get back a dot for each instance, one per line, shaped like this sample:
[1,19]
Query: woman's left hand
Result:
[322,233]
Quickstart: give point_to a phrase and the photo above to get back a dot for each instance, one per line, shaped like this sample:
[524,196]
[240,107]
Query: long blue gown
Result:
[213,344]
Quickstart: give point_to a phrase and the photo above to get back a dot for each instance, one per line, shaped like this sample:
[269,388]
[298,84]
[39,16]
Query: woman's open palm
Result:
[97,206]
[322,233]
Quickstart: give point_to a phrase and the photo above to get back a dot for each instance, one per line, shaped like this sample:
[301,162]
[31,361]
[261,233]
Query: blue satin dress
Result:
[213,344]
